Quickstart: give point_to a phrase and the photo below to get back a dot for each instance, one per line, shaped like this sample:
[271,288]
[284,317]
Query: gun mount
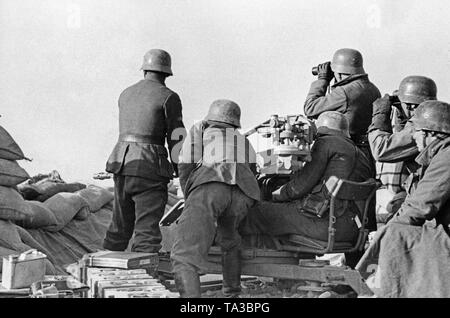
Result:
[291,138]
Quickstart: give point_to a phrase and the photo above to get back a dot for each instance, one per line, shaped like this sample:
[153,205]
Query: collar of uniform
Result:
[424,158]
[325,131]
[351,78]
[155,81]
[218,124]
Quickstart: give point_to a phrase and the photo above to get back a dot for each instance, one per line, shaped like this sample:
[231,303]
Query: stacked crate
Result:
[123,275]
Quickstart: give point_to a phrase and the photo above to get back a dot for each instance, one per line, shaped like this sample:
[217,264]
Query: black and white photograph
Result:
[219,156]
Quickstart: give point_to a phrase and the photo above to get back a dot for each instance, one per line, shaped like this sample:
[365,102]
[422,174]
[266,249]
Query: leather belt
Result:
[156,140]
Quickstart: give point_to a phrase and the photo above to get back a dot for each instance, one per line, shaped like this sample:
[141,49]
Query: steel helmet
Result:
[347,61]
[432,115]
[225,111]
[417,89]
[158,61]
[333,120]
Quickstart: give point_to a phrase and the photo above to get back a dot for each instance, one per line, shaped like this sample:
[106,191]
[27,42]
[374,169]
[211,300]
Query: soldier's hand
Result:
[382,105]
[325,71]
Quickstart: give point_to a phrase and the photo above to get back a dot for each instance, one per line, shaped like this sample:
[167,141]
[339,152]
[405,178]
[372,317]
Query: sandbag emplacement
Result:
[65,206]
[11,174]
[9,149]
[96,197]
[13,206]
[49,189]
[41,216]
[83,214]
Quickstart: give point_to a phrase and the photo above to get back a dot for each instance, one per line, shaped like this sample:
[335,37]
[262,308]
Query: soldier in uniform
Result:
[429,189]
[351,94]
[219,186]
[149,113]
[412,250]
[393,144]
[293,209]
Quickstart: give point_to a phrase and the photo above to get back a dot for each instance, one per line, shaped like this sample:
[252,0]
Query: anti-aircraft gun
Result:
[291,138]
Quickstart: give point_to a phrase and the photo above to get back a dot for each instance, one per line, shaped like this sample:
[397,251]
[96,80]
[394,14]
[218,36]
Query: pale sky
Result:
[64,63]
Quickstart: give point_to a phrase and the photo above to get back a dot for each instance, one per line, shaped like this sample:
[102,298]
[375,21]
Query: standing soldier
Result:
[149,113]
[394,147]
[352,94]
[219,186]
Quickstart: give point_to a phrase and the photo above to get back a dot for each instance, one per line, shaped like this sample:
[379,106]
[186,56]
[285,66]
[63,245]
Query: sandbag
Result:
[83,214]
[27,191]
[96,197]
[13,206]
[41,216]
[10,237]
[47,189]
[64,206]
[11,174]
[9,149]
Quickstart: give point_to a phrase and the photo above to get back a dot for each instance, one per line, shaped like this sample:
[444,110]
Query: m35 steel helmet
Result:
[334,120]
[433,116]
[158,61]
[417,89]
[347,61]
[225,111]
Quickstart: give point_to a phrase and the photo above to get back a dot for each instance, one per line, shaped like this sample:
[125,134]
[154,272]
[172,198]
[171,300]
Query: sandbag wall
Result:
[12,205]
[42,202]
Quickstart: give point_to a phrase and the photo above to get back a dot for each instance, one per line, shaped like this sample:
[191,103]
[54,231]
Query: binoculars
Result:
[394,99]
[315,69]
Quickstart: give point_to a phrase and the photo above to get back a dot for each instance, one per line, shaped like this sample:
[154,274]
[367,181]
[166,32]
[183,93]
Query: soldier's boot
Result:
[231,268]
[188,284]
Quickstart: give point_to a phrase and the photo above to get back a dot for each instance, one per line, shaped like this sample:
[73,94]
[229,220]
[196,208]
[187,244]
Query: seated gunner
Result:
[289,212]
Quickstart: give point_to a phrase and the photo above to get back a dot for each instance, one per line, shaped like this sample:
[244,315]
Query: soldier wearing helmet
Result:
[388,147]
[219,186]
[149,115]
[299,206]
[429,187]
[392,144]
[412,249]
[351,94]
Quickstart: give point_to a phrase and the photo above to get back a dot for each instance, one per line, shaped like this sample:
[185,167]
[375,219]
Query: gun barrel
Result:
[254,129]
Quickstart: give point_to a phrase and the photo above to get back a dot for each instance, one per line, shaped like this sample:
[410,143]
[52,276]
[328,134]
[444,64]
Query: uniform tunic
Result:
[149,114]
[219,187]
[333,154]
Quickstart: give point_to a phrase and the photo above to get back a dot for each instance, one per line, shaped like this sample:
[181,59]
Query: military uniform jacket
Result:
[352,96]
[149,113]
[397,149]
[429,188]
[217,152]
[332,154]
[387,146]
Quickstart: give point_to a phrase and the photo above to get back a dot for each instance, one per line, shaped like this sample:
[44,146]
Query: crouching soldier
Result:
[219,187]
